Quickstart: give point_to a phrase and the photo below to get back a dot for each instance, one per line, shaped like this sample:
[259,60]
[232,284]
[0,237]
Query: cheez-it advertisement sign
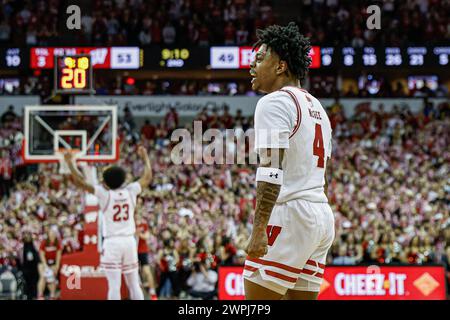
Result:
[359,283]
[231,283]
[384,283]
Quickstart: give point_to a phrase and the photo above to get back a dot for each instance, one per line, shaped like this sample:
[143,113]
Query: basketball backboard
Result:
[90,131]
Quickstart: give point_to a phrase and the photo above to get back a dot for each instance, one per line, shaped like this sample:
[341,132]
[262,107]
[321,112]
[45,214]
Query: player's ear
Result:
[282,67]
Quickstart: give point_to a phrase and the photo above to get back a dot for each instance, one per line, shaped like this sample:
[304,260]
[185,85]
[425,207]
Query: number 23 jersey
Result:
[118,208]
[294,120]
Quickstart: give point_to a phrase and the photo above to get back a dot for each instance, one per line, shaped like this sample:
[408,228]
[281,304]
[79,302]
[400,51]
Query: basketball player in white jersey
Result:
[293,224]
[118,203]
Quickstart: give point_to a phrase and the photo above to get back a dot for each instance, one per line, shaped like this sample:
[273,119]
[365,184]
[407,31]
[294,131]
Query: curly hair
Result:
[289,44]
[114,177]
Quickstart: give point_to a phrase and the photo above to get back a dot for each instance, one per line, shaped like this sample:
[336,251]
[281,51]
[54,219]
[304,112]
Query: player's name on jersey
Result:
[314,114]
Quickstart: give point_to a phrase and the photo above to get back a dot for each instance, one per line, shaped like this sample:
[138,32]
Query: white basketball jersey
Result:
[293,119]
[118,208]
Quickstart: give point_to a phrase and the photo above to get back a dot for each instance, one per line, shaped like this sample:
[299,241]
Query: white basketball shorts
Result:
[119,254]
[300,233]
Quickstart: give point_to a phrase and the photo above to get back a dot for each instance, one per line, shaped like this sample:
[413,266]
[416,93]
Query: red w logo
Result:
[272,234]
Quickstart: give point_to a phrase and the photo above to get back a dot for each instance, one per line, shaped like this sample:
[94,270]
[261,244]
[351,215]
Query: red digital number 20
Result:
[318,149]
[118,210]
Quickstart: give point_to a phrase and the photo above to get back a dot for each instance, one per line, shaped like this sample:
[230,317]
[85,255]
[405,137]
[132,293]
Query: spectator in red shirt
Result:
[143,234]
[148,130]
[50,253]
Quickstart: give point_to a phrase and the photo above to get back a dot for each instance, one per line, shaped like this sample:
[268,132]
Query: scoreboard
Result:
[344,57]
[231,57]
[385,57]
[155,57]
[125,58]
[241,57]
[73,74]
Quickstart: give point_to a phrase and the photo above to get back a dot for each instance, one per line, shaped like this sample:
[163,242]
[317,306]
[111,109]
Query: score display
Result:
[101,57]
[231,57]
[73,74]
[242,57]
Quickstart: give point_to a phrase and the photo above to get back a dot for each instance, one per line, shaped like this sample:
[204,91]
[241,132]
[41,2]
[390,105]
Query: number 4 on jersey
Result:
[318,149]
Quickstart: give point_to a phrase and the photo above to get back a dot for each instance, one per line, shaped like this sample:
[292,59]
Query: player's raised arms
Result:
[146,178]
[78,178]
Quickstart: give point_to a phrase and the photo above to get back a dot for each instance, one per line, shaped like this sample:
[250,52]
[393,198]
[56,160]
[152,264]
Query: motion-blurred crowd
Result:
[388,187]
[223,22]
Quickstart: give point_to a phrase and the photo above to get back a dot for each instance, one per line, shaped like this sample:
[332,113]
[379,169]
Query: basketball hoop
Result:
[89,128]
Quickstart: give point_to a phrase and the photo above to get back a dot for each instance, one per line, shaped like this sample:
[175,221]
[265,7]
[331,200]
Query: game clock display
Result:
[175,58]
[73,74]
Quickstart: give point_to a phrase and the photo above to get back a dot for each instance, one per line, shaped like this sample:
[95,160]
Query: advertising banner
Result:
[18,102]
[186,106]
[359,283]
[190,106]
[384,283]
[231,283]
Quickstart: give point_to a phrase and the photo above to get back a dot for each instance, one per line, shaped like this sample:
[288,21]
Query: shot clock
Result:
[73,74]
